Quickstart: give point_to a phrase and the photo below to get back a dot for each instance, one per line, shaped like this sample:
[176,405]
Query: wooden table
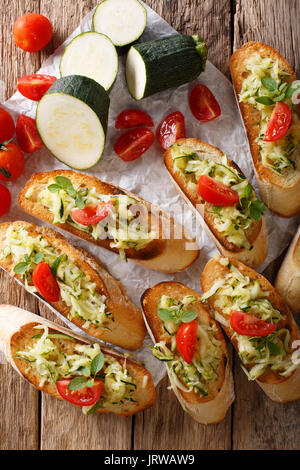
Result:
[29,420]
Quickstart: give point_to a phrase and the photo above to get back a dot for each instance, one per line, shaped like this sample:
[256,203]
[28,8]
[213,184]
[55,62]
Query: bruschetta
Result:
[192,346]
[288,278]
[263,82]
[72,282]
[215,187]
[110,217]
[61,363]
[258,323]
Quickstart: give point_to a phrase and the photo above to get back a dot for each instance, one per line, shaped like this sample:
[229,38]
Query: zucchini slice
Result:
[72,118]
[164,63]
[123,21]
[92,55]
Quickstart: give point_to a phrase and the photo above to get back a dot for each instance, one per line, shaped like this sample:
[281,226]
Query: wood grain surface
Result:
[29,420]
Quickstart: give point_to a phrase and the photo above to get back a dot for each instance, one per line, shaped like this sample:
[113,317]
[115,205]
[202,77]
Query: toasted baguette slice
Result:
[205,410]
[169,253]
[128,329]
[257,233]
[280,193]
[16,331]
[278,388]
[288,278]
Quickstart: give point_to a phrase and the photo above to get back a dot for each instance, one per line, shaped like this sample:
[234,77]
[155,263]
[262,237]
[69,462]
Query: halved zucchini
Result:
[123,21]
[92,55]
[71,119]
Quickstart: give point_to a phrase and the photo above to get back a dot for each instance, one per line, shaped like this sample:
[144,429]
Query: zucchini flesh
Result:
[92,55]
[72,120]
[164,63]
[123,21]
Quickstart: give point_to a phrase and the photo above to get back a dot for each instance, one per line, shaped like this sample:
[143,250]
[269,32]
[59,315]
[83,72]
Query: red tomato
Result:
[27,134]
[45,282]
[5,200]
[203,104]
[249,325]
[279,123]
[216,193]
[134,143]
[11,162]
[32,32]
[171,129]
[87,396]
[7,126]
[132,118]
[93,213]
[186,339]
[35,86]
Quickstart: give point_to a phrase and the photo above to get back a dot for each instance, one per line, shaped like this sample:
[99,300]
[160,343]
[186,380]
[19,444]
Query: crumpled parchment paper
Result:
[147,176]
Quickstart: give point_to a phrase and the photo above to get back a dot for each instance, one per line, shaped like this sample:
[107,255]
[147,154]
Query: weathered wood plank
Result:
[259,423]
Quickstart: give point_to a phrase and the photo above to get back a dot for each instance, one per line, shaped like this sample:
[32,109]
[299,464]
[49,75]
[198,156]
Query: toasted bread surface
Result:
[280,193]
[128,329]
[153,256]
[17,329]
[256,234]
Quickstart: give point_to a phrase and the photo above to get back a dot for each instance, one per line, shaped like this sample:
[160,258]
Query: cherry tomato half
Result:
[279,122]
[45,282]
[216,193]
[93,213]
[203,104]
[27,135]
[249,325]
[5,200]
[186,339]
[87,396]
[171,129]
[35,86]
[32,32]
[7,126]
[11,162]
[132,118]
[134,143]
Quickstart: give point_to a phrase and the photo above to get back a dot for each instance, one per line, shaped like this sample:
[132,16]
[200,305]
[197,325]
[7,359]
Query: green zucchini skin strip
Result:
[172,61]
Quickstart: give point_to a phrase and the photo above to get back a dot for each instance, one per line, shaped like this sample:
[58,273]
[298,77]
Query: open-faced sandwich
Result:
[259,324]
[192,346]
[288,278]
[110,217]
[59,362]
[263,82]
[72,281]
[215,187]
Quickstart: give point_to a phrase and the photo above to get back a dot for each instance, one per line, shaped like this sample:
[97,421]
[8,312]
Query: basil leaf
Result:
[93,408]
[21,268]
[269,83]
[266,100]
[291,89]
[56,263]
[247,192]
[53,188]
[77,383]
[66,185]
[273,348]
[90,383]
[38,257]
[279,98]
[165,315]
[6,173]
[97,364]
[86,371]
[79,202]
[188,315]
[256,209]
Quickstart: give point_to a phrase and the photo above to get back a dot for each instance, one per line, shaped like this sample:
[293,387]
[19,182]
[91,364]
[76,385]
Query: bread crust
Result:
[288,278]
[128,329]
[257,234]
[210,409]
[164,254]
[269,381]
[280,195]
[16,330]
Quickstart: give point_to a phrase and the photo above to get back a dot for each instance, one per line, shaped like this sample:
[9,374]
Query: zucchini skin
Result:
[87,90]
[172,61]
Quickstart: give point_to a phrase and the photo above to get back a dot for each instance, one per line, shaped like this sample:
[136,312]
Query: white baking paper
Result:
[147,176]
